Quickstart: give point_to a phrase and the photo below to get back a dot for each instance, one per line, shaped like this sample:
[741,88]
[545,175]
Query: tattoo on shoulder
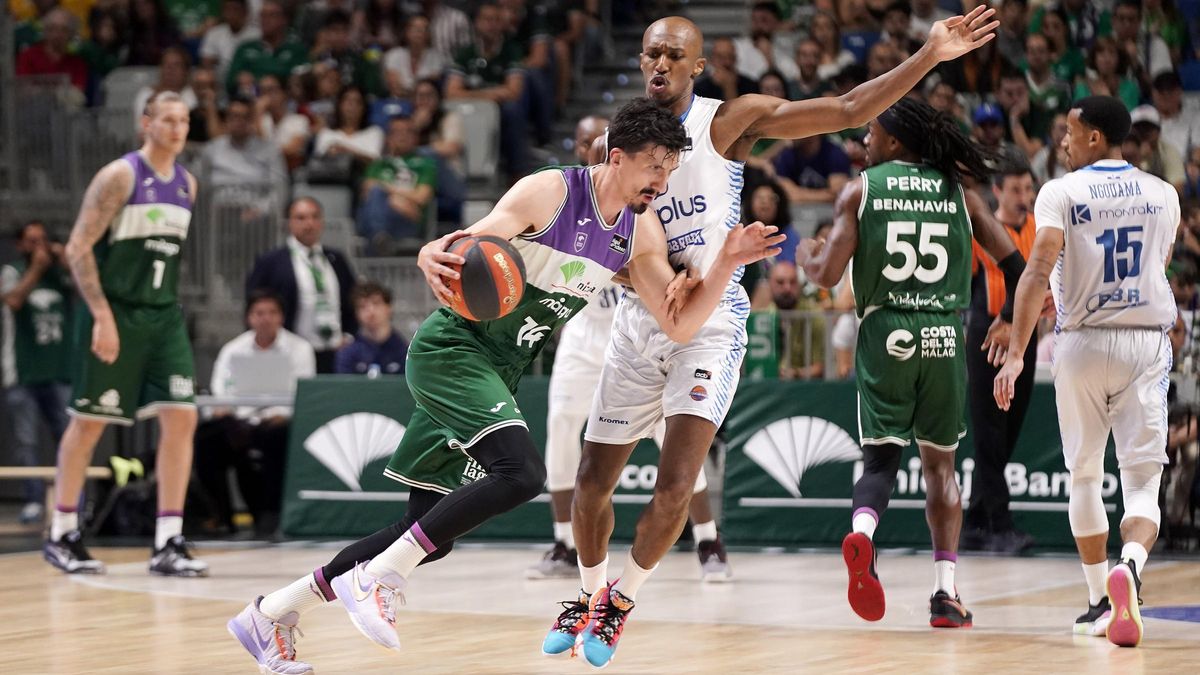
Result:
[104,197]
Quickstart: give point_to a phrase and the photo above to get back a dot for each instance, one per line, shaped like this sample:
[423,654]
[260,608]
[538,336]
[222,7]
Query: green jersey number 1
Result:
[160,266]
[926,246]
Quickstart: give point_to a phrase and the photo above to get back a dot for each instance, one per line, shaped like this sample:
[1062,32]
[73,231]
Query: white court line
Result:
[819,503]
[347,496]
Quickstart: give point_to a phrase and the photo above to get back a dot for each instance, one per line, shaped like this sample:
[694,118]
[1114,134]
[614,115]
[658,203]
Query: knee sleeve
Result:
[1139,489]
[510,457]
[563,449]
[874,488]
[1086,506]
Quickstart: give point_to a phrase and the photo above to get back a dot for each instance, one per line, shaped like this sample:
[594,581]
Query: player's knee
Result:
[882,461]
[1139,488]
[674,491]
[1085,508]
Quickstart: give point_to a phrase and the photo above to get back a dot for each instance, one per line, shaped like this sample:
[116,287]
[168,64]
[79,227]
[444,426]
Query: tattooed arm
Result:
[105,196]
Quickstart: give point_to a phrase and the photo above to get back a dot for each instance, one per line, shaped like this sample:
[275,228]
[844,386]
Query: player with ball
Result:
[508,282]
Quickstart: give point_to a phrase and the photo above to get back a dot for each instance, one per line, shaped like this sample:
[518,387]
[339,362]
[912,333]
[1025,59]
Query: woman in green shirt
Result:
[1106,76]
[1068,60]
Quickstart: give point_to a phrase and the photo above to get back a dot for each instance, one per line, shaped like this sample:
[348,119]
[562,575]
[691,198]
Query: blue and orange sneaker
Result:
[864,592]
[567,628]
[1124,588]
[610,609]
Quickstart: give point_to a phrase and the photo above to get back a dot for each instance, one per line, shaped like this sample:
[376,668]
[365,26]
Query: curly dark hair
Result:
[937,139]
[642,124]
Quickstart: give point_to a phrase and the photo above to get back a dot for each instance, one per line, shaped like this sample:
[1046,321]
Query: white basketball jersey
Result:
[1119,223]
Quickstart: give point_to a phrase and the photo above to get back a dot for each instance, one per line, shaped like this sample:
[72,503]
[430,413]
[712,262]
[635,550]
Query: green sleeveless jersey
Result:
[914,241]
[37,345]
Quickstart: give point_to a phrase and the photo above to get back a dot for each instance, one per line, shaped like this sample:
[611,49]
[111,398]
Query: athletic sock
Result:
[865,520]
[943,572]
[594,578]
[402,557]
[563,532]
[705,531]
[299,596]
[168,524]
[65,519]
[1096,575]
[632,577]
[1137,553]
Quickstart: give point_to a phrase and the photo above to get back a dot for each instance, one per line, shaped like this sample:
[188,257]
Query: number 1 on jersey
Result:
[160,267]
[1119,242]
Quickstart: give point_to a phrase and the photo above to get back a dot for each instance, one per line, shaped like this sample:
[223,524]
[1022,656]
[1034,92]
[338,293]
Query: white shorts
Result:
[647,377]
[1112,379]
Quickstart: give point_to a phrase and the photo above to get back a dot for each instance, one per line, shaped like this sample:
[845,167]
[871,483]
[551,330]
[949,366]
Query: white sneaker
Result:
[271,643]
[32,512]
[371,603]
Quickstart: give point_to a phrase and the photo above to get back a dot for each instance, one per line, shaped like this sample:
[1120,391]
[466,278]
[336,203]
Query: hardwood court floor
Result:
[475,613]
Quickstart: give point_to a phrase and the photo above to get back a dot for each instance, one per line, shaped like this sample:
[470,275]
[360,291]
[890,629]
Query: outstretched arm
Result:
[825,262]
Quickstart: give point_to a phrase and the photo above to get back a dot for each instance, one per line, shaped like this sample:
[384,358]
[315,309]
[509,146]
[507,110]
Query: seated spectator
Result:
[1161,159]
[1051,161]
[1106,76]
[267,359]
[1180,129]
[802,338]
[1013,98]
[341,150]
[105,50]
[767,47]
[440,133]
[333,47]
[1166,21]
[288,131]
[489,68]
[310,17]
[883,58]
[206,116]
[925,13]
[808,83]
[52,54]
[812,170]
[397,190]
[1010,35]
[414,60]
[528,27]
[450,27]
[1148,54]
[151,32]
[29,29]
[322,103]
[314,283]
[173,75]
[1085,19]
[941,96]
[377,24]
[222,40]
[721,80]
[765,149]
[587,130]
[897,20]
[989,132]
[240,157]
[1048,94]
[377,348]
[192,18]
[1066,58]
[275,52]
[768,204]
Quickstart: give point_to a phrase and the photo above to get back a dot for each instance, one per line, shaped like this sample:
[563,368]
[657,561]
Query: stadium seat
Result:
[122,85]
[336,201]
[481,123]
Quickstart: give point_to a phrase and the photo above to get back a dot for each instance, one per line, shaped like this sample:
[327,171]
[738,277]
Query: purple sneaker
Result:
[272,643]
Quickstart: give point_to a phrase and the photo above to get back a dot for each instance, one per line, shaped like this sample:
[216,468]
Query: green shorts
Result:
[462,394]
[154,366]
[912,379]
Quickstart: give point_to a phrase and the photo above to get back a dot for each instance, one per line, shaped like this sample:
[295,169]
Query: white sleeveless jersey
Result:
[1119,223]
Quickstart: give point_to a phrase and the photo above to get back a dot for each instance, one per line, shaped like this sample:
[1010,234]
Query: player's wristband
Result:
[1012,266]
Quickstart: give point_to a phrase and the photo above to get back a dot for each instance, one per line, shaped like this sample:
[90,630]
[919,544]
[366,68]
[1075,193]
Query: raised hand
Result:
[747,244]
[953,37]
[436,263]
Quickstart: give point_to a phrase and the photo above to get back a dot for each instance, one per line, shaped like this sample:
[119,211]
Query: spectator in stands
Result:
[897,20]
[29,29]
[222,40]
[1051,161]
[812,170]
[1048,94]
[349,144]
[1108,69]
[397,190]
[333,47]
[882,58]
[824,30]
[288,131]
[767,47]
[1010,36]
[275,52]
[1013,98]
[377,349]
[36,351]
[413,60]
[151,32]
[587,130]
[769,204]
[378,24]
[52,54]
[721,79]
[490,69]
[808,83]
[528,28]
[942,97]
[1179,129]
[1065,57]
[925,13]
[240,157]
[314,283]
[266,360]
[440,133]
[1163,160]
[989,130]
[1084,20]
[450,27]
[105,50]
[173,75]
[802,338]
[192,18]
[310,17]
[1148,54]
[1163,18]
[206,116]
[326,86]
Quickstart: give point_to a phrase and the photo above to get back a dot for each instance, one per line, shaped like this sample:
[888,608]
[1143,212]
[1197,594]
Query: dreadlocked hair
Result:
[939,141]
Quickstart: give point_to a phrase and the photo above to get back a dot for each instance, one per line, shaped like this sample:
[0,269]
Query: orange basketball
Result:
[492,281]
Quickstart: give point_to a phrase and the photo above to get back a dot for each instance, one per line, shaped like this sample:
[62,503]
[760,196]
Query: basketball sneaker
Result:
[272,643]
[1125,591]
[568,627]
[69,555]
[174,560]
[559,562]
[1094,622]
[948,612]
[371,603]
[610,610]
[714,565]
[865,592]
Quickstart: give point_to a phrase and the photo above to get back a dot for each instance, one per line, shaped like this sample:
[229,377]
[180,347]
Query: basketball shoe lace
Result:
[610,619]
[285,640]
[573,618]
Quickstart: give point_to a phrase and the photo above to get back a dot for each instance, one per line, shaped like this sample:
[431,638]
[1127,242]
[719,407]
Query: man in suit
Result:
[314,283]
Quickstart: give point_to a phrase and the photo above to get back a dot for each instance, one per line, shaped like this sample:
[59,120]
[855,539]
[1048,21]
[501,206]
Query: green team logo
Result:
[572,270]
[900,345]
[154,215]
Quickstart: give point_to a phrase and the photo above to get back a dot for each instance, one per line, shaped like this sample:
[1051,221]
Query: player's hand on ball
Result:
[748,244]
[678,291]
[106,344]
[995,343]
[436,263]
[1005,385]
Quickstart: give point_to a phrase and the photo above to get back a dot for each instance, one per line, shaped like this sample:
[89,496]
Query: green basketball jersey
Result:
[37,346]
[914,241]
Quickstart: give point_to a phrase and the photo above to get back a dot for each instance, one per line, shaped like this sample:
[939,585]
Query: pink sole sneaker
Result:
[1125,628]
[864,592]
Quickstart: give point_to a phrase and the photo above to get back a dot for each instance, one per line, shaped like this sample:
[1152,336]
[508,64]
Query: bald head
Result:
[588,130]
[676,29]
[672,57]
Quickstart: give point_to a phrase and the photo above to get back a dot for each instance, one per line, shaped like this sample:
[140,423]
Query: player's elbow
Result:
[75,250]
[851,113]
[680,334]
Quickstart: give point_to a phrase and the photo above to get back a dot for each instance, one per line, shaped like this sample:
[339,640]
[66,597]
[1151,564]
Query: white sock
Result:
[1137,553]
[402,557]
[705,531]
[165,528]
[1096,575]
[594,578]
[632,577]
[565,533]
[299,596]
[865,523]
[62,523]
[943,574]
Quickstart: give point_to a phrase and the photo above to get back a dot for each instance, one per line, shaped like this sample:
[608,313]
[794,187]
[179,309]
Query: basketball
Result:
[492,279]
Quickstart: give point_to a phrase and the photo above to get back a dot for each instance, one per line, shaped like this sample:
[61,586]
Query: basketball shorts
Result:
[647,377]
[154,366]
[462,394]
[912,379]
[1112,379]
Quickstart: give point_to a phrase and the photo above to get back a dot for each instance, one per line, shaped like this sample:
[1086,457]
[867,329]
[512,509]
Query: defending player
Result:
[1104,236]
[124,254]
[646,377]
[907,224]
[467,453]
